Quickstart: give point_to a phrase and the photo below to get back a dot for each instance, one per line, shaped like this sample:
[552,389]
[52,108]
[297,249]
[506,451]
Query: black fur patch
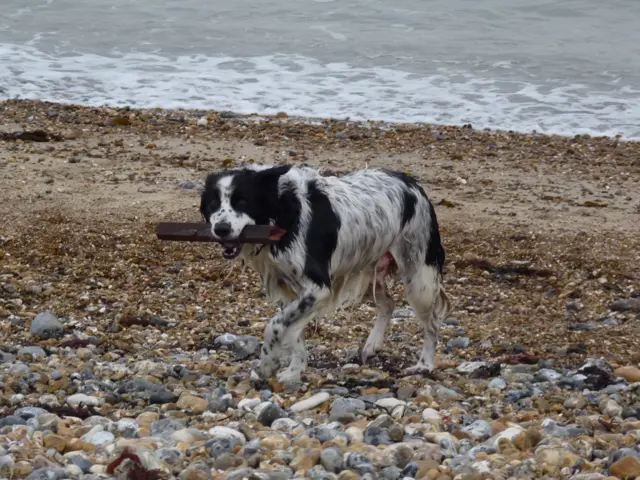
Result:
[435,251]
[322,236]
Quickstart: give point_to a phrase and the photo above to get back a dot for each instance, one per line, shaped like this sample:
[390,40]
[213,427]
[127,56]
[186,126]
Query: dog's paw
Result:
[369,351]
[267,368]
[289,377]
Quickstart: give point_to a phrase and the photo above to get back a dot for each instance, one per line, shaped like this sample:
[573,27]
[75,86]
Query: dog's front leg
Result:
[285,331]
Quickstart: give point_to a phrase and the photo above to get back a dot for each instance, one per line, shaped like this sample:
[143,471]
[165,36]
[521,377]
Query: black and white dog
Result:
[343,236]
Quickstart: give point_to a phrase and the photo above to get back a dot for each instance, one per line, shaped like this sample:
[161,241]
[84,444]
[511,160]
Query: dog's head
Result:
[233,199]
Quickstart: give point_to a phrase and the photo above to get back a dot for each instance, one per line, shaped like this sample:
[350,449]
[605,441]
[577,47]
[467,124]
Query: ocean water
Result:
[554,66]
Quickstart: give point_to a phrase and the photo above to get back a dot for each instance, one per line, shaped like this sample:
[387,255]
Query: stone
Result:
[459,342]
[98,437]
[26,353]
[479,430]
[377,436]
[47,473]
[626,305]
[46,325]
[431,416]
[275,442]
[227,432]
[343,406]
[311,402]
[162,396]
[630,373]
[79,399]
[397,455]
[270,414]
[359,463]
[331,459]
[626,468]
[56,442]
[227,461]
[497,383]
[190,402]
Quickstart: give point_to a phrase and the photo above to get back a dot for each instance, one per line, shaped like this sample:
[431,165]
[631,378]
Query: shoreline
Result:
[194,113]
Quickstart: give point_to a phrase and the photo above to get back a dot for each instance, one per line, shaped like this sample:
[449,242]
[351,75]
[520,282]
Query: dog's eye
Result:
[241,202]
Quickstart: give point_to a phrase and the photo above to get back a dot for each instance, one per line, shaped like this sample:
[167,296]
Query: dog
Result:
[345,235]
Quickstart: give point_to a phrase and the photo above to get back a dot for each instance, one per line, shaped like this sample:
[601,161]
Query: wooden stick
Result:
[201,232]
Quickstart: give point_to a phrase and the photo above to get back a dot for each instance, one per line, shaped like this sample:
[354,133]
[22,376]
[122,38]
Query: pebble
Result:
[629,373]
[46,325]
[311,402]
[270,414]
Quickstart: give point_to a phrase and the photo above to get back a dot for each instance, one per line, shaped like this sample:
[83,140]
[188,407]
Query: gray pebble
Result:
[46,325]
[270,414]
[377,436]
[459,342]
[33,352]
[331,460]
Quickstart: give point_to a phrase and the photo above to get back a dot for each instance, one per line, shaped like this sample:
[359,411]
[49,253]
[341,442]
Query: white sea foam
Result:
[305,87]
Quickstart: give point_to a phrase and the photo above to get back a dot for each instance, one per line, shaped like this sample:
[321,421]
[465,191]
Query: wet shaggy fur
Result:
[344,237]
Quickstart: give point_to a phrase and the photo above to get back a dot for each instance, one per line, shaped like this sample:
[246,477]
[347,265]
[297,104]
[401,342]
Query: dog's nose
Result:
[222,229]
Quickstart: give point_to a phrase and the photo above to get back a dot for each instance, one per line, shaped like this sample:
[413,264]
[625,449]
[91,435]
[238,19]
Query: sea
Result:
[552,66]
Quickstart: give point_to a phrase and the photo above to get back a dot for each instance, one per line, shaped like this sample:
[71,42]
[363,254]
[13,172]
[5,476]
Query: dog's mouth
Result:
[231,250]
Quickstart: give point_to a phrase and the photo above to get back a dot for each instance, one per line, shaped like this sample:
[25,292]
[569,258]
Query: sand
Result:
[566,209]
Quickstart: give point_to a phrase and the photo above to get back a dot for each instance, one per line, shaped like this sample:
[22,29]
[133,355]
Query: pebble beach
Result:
[122,356]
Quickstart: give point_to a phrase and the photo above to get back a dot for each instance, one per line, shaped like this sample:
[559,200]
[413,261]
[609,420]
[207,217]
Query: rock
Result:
[627,305]
[190,402]
[431,416]
[397,455]
[470,367]
[220,445]
[83,463]
[480,430]
[31,352]
[497,383]
[459,342]
[630,373]
[311,402]
[598,374]
[98,437]
[79,399]
[46,325]
[389,403]
[228,461]
[610,408]
[377,436]
[391,473]
[626,468]
[226,432]
[162,396]
[359,463]
[7,357]
[331,459]
[12,420]
[243,346]
[56,442]
[270,414]
[275,442]
[47,473]
[342,407]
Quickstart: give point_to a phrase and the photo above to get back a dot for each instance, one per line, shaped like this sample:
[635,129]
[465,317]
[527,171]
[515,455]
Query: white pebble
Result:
[226,432]
[389,403]
[80,398]
[248,404]
[311,402]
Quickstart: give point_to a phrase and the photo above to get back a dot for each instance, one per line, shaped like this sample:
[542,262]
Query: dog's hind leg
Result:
[384,308]
[431,304]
